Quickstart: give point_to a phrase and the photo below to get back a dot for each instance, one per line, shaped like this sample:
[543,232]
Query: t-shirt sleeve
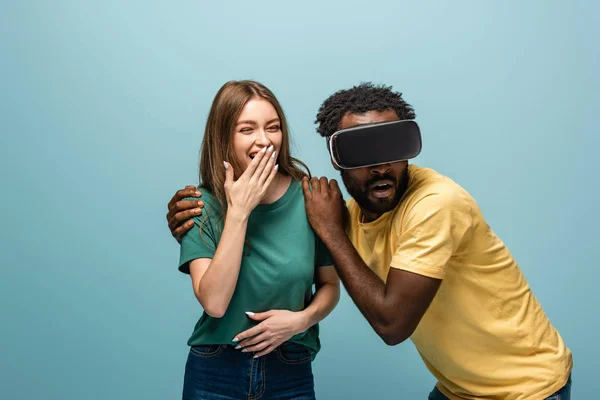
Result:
[322,256]
[199,242]
[432,231]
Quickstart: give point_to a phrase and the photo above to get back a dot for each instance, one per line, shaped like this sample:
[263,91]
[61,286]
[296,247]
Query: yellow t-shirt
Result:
[485,335]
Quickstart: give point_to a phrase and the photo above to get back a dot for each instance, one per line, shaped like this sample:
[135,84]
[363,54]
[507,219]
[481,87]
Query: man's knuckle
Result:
[180,217]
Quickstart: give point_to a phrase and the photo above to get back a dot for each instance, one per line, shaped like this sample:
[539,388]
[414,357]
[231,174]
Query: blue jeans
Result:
[223,373]
[562,394]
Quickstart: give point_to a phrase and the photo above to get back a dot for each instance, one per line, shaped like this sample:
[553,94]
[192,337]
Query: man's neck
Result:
[368,216]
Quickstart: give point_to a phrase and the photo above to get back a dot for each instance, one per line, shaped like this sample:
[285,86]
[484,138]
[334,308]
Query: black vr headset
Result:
[373,144]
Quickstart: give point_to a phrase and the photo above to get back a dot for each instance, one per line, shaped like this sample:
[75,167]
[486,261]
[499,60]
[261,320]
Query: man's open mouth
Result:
[382,189]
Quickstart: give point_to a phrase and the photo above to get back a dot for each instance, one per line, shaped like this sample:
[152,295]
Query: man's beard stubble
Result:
[360,193]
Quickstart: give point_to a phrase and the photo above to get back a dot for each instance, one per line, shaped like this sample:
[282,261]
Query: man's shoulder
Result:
[426,182]
[429,190]
[353,207]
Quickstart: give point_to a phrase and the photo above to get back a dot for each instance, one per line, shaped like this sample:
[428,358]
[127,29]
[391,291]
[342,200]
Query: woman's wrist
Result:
[304,321]
[237,215]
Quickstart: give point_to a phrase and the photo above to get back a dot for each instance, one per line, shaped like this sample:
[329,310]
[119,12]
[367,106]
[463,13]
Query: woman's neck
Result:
[276,189]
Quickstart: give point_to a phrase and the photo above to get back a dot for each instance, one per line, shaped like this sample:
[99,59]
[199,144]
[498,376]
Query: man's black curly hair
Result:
[360,99]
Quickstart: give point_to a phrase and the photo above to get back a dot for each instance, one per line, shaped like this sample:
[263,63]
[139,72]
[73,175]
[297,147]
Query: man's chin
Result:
[380,206]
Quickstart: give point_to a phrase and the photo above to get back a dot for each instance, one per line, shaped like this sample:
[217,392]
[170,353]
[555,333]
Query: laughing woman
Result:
[253,258]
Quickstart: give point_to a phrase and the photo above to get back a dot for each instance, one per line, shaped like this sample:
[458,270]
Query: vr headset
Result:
[373,144]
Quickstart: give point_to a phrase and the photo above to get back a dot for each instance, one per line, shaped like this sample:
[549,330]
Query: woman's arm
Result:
[326,296]
[278,326]
[214,280]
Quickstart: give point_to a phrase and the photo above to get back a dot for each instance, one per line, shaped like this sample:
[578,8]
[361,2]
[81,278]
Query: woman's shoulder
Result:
[211,207]
[206,195]
[296,188]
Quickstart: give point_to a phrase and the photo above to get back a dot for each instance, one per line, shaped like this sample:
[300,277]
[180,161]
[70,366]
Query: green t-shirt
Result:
[277,270]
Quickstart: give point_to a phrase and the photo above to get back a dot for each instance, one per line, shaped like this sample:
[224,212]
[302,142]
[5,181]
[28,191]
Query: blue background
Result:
[102,111]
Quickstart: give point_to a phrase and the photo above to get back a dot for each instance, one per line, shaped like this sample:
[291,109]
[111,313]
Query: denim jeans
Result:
[562,394]
[223,373]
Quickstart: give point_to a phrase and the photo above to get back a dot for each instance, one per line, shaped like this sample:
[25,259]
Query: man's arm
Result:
[394,309]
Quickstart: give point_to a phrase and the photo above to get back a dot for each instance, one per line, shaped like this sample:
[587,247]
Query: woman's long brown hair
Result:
[217,142]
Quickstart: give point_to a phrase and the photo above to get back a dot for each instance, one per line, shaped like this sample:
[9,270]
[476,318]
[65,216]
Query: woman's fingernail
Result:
[225,165]
[238,347]
[235,339]
[263,150]
[271,148]
[273,155]
[276,167]
[249,313]
[244,351]
[255,357]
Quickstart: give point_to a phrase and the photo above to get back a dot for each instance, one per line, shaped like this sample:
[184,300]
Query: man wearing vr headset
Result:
[419,260]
